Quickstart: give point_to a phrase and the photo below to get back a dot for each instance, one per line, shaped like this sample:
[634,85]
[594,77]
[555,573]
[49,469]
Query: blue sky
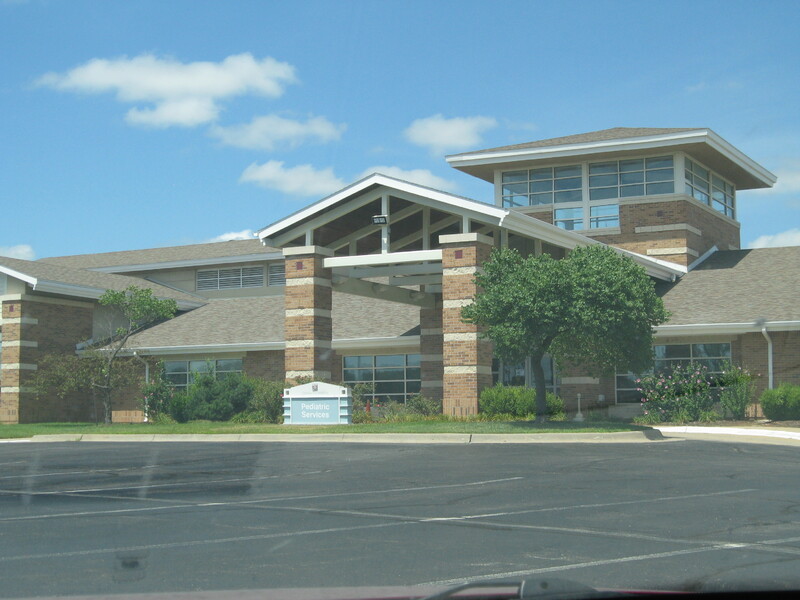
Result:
[141,124]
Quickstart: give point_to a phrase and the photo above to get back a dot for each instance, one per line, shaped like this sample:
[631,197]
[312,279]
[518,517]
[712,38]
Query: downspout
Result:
[769,353]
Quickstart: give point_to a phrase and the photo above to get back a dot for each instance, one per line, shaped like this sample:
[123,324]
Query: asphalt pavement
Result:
[94,518]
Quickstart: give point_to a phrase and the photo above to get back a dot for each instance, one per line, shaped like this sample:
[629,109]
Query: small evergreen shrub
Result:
[781,403]
[266,403]
[518,402]
[157,395]
[213,399]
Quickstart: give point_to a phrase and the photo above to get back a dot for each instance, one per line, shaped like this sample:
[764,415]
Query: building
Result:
[368,283]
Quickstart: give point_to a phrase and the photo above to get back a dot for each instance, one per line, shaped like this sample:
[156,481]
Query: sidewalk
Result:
[757,435]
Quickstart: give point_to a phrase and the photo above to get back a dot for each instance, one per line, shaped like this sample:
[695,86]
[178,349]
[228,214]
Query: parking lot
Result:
[84,518]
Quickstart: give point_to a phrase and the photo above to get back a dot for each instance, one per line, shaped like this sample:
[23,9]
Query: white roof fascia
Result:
[628,144]
[740,159]
[702,258]
[655,267]
[205,348]
[410,341]
[581,148]
[68,289]
[457,202]
[18,275]
[694,329]
[191,262]
[403,341]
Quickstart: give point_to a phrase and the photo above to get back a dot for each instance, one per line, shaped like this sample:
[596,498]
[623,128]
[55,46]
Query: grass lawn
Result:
[208,427]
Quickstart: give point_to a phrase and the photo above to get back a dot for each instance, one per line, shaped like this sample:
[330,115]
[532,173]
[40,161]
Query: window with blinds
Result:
[230,279]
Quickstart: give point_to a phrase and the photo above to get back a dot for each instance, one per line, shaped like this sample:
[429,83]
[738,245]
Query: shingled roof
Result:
[191,252]
[737,286]
[259,320]
[602,135]
[83,283]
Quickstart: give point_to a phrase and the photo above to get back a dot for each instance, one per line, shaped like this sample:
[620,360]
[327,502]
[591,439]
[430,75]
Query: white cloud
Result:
[183,94]
[244,234]
[23,251]
[419,176]
[302,180]
[265,133]
[790,237]
[441,135]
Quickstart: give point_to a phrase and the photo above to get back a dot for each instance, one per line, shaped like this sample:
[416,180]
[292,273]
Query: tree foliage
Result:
[138,309]
[595,308]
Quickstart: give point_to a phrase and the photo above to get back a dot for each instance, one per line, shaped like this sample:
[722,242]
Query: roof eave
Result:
[724,328]
[471,162]
[176,264]
[470,207]
[80,291]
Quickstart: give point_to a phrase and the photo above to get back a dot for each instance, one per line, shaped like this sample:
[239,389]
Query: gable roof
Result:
[168,257]
[82,283]
[237,324]
[512,220]
[702,143]
[733,289]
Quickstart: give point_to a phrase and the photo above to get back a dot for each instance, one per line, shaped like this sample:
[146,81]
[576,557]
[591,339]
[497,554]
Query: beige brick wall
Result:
[308,325]
[467,358]
[46,327]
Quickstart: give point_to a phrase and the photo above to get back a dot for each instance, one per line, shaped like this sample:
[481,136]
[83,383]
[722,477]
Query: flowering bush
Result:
[681,395]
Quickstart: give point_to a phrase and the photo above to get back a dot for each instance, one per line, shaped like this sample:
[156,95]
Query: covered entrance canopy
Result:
[394,240]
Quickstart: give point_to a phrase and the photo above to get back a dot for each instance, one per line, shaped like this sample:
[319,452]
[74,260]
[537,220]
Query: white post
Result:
[579,416]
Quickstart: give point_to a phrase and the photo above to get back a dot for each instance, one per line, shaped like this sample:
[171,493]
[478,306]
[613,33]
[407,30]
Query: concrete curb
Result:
[371,438]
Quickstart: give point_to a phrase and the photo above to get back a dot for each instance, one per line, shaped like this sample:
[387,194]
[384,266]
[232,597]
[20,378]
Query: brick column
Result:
[307,320]
[467,357]
[430,344]
[17,364]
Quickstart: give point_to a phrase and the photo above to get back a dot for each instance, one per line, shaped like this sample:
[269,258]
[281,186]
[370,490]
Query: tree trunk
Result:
[541,391]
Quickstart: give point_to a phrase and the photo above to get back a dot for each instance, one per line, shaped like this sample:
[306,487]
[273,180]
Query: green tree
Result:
[137,309]
[595,308]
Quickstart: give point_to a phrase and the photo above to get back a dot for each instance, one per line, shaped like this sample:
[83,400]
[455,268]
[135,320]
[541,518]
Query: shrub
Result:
[518,402]
[420,405]
[212,399]
[266,403]
[681,396]
[736,390]
[781,403]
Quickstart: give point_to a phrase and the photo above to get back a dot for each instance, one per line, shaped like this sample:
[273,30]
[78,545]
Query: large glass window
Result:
[570,219]
[709,188]
[180,373]
[542,186]
[635,177]
[713,356]
[395,377]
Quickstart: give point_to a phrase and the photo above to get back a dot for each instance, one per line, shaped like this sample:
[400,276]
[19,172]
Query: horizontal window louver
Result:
[277,274]
[230,279]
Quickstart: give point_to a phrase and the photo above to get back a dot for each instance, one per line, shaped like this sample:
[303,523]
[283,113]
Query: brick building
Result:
[368,283]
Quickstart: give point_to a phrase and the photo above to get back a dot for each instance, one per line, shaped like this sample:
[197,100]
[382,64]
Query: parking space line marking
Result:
[243,502]
[593,563]
[205,542]
[598,505]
